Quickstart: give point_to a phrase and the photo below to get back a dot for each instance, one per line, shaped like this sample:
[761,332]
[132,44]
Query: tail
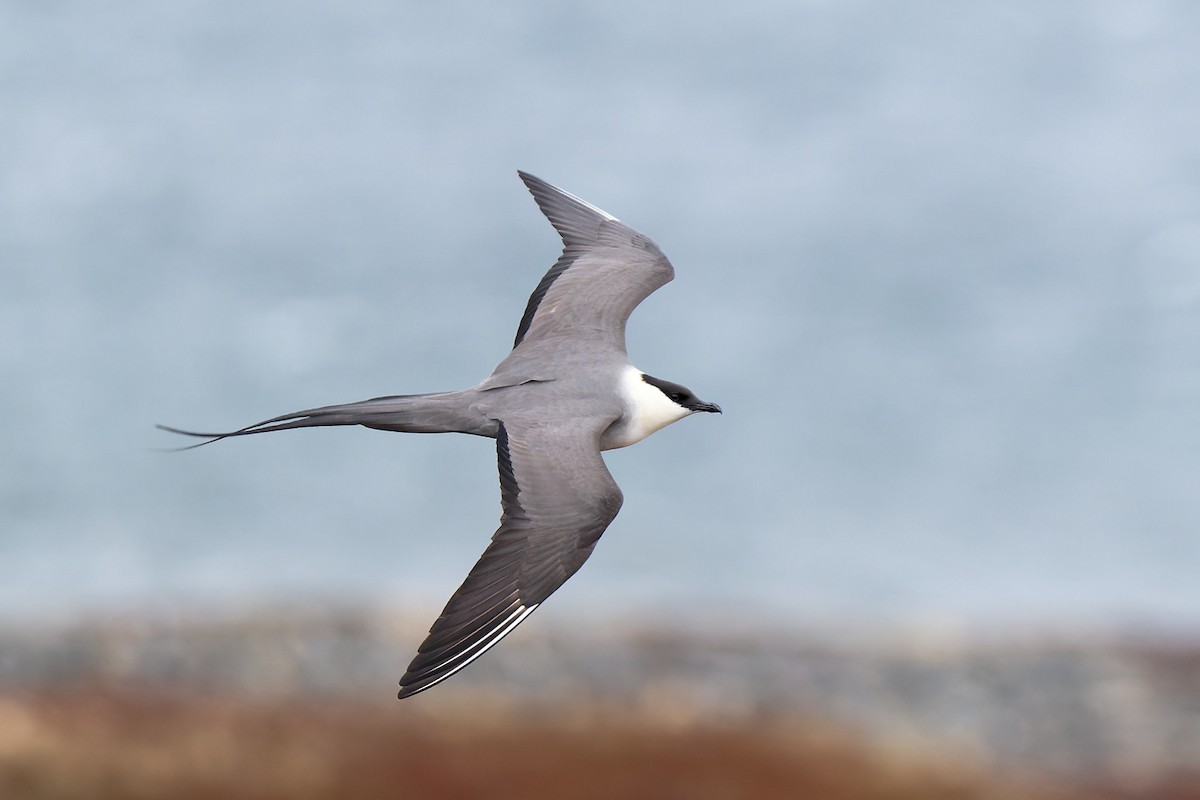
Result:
[442,412]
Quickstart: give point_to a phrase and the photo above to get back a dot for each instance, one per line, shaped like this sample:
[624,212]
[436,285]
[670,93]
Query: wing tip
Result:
[544,192]
[427,677]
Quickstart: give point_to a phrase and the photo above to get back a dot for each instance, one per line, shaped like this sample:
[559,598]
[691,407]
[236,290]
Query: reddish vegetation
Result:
[106,744]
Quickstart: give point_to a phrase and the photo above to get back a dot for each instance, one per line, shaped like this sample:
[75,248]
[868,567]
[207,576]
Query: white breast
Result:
[647,409]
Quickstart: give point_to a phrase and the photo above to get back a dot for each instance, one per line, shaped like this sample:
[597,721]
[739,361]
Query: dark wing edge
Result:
[528,559]
[578,223]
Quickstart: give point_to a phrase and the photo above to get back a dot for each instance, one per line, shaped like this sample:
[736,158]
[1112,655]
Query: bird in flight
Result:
[566,392]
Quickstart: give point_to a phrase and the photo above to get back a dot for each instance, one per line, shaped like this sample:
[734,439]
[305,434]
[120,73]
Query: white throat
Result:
[647,410]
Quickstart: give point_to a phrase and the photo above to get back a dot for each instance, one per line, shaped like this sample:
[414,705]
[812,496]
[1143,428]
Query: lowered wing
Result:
[557,497]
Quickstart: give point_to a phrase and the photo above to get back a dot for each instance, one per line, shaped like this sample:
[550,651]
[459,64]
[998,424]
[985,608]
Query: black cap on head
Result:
[680,395]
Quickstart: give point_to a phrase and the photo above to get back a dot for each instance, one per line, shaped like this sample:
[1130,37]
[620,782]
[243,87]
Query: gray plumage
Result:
[564,393]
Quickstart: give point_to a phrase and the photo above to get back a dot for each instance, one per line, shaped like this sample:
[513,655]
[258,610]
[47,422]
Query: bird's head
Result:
[681,395]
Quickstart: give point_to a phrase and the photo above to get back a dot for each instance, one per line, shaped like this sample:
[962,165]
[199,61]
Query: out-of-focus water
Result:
[939,263]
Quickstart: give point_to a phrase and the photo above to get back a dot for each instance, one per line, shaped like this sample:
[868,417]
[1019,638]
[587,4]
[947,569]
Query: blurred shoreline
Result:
[1121,713]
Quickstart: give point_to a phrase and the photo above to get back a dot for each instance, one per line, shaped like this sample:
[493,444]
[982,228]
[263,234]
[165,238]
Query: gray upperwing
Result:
[605,270]
[557,498]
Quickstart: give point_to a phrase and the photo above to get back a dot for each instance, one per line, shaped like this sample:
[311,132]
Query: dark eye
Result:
[678,397]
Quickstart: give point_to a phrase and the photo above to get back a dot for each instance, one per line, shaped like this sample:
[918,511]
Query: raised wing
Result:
[605,270]
[557,497]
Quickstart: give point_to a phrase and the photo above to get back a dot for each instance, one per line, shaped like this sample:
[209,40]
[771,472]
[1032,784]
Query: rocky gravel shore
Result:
[1124,709]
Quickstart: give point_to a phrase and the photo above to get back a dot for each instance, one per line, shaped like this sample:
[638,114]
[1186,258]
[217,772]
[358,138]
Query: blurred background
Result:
[938,262]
